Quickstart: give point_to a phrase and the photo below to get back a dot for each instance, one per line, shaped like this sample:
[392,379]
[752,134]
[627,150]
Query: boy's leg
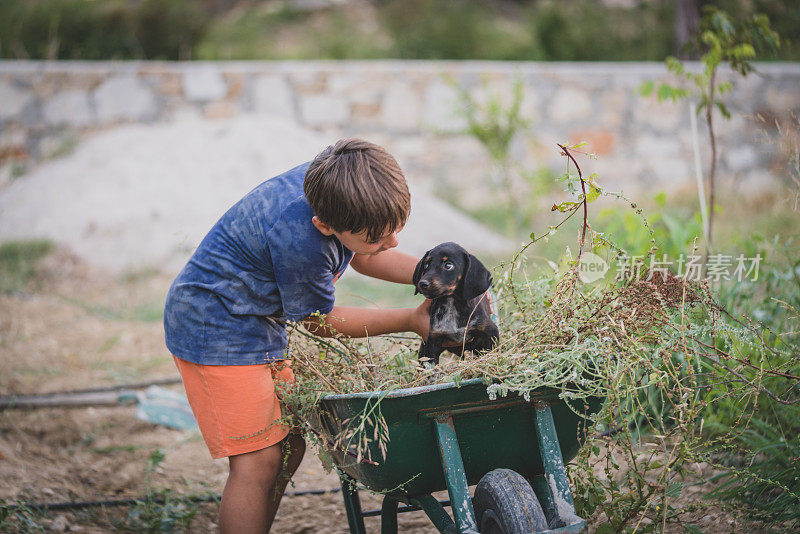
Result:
[255,486]
[296,449]
[246,495]
[231,404]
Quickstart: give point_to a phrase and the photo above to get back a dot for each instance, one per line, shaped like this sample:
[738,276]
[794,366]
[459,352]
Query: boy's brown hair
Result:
[357,186]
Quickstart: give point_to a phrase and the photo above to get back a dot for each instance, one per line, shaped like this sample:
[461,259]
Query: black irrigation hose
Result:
[611,432]
[73,505]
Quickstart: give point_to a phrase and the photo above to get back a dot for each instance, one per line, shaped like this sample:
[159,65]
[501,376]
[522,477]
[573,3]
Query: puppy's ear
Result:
[418,270]
[477,278]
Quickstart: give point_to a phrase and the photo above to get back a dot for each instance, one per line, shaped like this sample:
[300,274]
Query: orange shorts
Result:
[236,406]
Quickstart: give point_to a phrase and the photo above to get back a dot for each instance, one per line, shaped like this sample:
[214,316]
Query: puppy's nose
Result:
[424,284]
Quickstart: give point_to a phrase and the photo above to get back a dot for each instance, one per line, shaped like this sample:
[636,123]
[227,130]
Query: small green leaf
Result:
[674,490]
[593,193]
[565,206]
[646,88]
[723,109]
[605,528]
[664,92]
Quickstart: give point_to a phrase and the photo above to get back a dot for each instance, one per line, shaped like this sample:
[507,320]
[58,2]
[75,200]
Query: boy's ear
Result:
[418,271]
[321,226]
[477,278]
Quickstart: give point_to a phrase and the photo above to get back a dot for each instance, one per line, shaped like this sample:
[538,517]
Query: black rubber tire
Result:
[505,503]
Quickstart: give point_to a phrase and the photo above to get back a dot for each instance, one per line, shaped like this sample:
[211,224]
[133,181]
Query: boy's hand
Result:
[421,319]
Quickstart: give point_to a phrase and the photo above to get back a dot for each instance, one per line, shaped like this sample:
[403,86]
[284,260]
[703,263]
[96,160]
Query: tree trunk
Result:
[713,170]
[687,25]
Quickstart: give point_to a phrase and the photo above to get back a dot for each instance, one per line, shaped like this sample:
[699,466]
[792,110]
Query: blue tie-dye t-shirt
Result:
[263,262]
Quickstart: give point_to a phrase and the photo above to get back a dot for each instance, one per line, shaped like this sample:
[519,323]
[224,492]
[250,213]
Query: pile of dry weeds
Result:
[658,348]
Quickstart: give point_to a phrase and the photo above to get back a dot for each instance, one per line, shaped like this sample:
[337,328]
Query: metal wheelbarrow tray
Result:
[450,436]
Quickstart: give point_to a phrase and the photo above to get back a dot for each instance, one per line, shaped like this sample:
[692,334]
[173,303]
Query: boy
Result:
[274,256]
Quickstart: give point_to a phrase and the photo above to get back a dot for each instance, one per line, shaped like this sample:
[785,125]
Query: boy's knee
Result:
[297,448]
[296,442]
[261,466]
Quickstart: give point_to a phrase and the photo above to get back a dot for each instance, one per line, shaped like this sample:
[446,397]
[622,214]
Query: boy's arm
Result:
[363,322]
[390,265]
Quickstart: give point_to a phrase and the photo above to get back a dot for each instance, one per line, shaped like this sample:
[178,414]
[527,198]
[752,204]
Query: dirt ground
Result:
[77,327]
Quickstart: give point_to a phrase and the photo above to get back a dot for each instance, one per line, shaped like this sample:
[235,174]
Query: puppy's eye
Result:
[448,266]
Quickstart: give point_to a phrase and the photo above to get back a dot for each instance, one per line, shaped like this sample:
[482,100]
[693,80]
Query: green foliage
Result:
[579,30]
[784,17]
[260,31]
[551,31]
[576,185]
[357,290]
[753,437]
[19,518]
[492,123]
[160,510]
[495,125]
[774,298]
[115,29]
[449,29]
[769,485]
[674,229]
[684,379]
[765,472]
[18,260]
[495,213]
[721,40]
[566,30]
[169,29]
[245,34]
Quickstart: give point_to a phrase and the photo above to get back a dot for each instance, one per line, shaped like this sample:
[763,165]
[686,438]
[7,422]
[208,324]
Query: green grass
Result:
[364,292]
[148,312]
[21,519]
[131,369]
[361,291]
[18,263]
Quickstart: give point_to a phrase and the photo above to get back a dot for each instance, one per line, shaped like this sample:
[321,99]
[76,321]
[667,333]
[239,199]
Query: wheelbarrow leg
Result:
[352,504]
[389,516]
[436,513]
[553,488]
[455,475]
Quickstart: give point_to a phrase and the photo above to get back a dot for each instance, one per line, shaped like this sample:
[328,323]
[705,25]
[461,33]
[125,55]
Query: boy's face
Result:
[358,242]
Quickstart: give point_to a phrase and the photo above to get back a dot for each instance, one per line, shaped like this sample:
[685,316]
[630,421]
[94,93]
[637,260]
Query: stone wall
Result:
[411,108]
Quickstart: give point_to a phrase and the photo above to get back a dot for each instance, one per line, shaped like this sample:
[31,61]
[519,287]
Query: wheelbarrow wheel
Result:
[505,503]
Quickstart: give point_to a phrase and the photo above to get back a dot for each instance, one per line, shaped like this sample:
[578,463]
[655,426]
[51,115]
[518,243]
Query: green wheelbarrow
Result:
[451,436]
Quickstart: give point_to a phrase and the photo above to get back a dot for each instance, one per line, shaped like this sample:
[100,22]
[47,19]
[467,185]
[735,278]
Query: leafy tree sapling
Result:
[721,40]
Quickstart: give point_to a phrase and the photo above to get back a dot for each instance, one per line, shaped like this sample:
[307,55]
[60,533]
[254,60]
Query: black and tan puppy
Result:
[456,282]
